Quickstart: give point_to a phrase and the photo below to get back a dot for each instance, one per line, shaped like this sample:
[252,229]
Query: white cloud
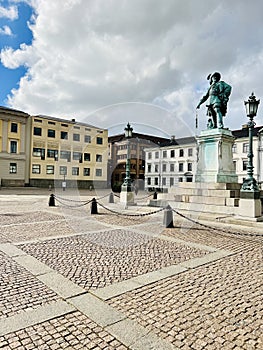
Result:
[88,54]
[5,30]
[10,12]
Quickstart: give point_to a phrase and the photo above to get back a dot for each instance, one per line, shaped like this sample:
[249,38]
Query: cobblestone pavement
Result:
[212,307]
[72,280]
[19,290]
[72,331]
[95,260]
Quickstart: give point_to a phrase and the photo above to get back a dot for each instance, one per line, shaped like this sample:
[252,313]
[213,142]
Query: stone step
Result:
[206,192]
[208,185]
[219,201]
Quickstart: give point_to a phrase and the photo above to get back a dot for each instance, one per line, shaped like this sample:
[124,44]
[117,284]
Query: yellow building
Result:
[14,146]
[67,153]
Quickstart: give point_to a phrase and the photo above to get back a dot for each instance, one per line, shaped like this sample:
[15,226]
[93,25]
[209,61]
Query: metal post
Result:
[51,202]
[94,207]
[168,217]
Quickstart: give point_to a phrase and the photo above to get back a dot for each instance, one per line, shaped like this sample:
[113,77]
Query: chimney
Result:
[244,126]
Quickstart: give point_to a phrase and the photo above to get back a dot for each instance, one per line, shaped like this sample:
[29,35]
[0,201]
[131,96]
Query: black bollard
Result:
[94,207]
[155,195]
[111,198]
[51,202]
[168,217]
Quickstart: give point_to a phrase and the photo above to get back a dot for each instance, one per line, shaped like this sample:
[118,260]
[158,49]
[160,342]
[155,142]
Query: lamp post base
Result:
[127,195]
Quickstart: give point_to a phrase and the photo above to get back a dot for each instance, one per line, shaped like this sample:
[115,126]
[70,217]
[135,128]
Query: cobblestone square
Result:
[72,280]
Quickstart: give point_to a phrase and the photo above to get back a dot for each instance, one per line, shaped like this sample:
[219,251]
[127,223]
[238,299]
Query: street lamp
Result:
[249,187]
[126,186]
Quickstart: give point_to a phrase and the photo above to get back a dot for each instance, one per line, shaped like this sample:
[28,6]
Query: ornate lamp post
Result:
[250,188]
[127,195]
[126,186]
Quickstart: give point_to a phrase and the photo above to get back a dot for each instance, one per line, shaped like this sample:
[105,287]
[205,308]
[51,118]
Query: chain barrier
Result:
[142,198]
[116,195]
[216,228]
[69,200]
[132,215]
[73,206]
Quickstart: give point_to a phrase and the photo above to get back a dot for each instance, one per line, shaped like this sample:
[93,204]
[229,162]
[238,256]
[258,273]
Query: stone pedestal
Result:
[215,158]
[250,208]
[127,198]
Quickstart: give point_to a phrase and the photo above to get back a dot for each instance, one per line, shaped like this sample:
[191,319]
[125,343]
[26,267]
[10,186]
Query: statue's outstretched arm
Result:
[203,99]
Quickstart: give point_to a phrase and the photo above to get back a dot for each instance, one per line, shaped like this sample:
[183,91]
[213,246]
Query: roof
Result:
[69,121]
[244,132]
[11,110]
[178,142]
[155,139]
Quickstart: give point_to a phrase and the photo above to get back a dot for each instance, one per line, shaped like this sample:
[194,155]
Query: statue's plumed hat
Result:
[216,74]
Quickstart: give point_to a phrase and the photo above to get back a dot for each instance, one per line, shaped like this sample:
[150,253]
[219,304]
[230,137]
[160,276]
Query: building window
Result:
[245,163]
[190,152]
[39,152]
[172,153]
[76,137]
[51,123]
[13,127]
[12,168]
[171,167]
[50,169]
[148,181]
[98,158]
[65,155]
[189,166]
[156,155]
[87,157]
[171,181]
[181,166]
[98,172]
[36,168]
[164,167]
[164,154]
[156,168]
[75,170]
[63,170]
[156,181]
[52,153]
[51,133]
[234,148]
[149,167]
[86,171]
[149,155]
[37,131]
[13,146]
[99,140]
[87,139]
[181,152]
[38,120]
[64,135]
[164,181]
[77,156]
[235,165]
[245,147]
[180,179]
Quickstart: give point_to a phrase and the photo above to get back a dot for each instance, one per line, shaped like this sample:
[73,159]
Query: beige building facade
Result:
[14,147]
[67,153]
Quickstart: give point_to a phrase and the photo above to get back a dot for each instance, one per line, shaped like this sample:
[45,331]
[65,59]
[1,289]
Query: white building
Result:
[175,161]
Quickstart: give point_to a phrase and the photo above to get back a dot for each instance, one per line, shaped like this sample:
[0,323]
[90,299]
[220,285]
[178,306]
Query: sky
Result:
[110,62]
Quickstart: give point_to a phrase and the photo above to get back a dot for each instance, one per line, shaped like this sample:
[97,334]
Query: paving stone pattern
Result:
[19,290]
[98,259]
[218,306]
[217,238]
[73,331]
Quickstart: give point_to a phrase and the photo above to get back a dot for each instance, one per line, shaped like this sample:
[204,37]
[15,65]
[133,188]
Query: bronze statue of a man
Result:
[217,96]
